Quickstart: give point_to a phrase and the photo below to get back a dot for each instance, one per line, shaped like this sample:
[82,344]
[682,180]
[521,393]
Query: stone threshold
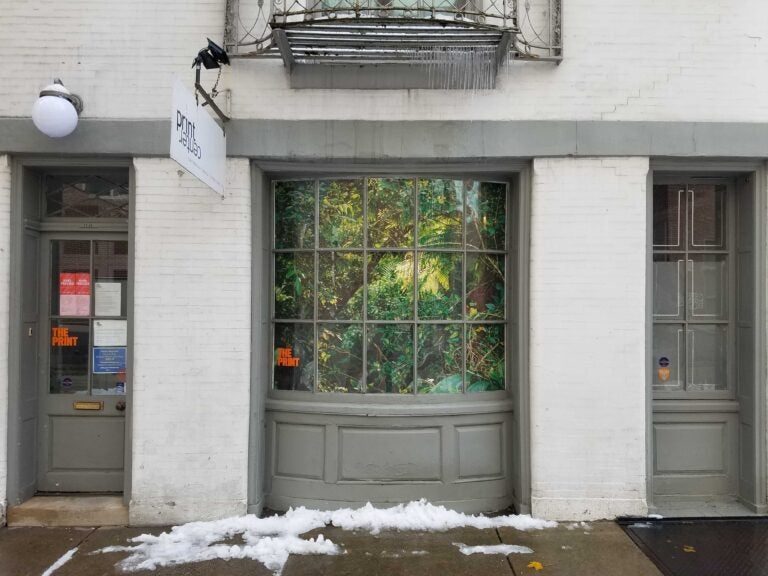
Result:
[70,511]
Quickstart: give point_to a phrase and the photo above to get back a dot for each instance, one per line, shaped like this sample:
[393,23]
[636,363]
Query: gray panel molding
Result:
[389,410]
[419,139]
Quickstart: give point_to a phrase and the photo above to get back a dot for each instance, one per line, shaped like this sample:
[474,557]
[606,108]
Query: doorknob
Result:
[120,406]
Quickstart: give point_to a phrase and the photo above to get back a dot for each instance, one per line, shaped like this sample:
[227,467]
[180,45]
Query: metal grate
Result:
[342,32]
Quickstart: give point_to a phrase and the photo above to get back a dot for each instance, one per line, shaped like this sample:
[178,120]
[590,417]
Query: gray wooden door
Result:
[83,347]
[695,405]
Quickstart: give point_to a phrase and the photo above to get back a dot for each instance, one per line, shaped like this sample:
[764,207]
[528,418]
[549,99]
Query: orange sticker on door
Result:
[286,358]
[664,374]
[60,338]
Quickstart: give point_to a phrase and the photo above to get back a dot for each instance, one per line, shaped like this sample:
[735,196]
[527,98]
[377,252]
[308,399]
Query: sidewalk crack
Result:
[509,560]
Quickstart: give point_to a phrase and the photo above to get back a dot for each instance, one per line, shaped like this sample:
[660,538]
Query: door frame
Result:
[684,169]
[19,440]
[44,351]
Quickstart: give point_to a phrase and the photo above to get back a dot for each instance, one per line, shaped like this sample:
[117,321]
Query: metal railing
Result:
[534,25]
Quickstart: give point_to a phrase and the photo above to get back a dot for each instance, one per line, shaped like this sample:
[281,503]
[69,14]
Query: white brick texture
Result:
[693,60]
[587,337]
[192,340]
[5,253]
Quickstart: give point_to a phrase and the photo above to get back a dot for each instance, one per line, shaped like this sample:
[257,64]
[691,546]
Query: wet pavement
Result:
[568,550]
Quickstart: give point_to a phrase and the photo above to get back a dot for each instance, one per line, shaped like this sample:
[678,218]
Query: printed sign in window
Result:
[109,360]
[74,294]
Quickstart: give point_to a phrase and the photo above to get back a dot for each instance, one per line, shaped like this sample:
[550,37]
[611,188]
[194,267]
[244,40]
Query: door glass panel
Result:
[340,357]
[708,357]
[390,358]
[440,358]
[440,284]
[294,358]
[69,346]
[295,214]
[110,270]
[340,286]
[668,210]
[668,367]
[707,219]
[341,213]
[441,208]
[390,213]
[486,215]
[70,278]
[103,195]
[707,296]
[668,286]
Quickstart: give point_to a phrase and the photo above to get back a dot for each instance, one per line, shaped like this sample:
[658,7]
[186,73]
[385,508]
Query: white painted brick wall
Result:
[624,60]
[192,340]
[587,337]
[5,269]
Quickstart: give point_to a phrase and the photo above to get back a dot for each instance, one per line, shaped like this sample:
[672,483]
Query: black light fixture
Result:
[212,57]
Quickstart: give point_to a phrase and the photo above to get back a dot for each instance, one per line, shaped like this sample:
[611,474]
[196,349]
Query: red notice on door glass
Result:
[74,294]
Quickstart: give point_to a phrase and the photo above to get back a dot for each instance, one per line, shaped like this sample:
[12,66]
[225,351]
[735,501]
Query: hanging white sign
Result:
[197,142]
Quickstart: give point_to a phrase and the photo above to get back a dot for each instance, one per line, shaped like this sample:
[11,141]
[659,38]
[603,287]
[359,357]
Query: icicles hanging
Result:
[469,68]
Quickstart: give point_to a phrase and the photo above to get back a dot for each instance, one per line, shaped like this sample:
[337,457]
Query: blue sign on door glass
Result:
[108,360]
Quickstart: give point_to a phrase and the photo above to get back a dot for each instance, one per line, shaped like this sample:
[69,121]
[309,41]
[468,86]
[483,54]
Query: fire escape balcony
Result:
[452,43]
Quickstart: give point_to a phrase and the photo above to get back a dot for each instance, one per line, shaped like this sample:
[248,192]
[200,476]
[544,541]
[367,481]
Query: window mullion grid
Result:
[463,315]
[415,349]
[315,326]
[364,333]
[91,310]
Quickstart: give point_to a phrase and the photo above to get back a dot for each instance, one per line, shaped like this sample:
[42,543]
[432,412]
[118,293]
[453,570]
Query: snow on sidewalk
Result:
[271,540]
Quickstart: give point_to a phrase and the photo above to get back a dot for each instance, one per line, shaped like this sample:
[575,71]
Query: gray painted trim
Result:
[522,396]
[686,168]
[420,139]
[388,410]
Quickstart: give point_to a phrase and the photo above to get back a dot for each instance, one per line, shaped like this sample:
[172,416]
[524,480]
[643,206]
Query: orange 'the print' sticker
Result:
[664,374]
[61,337]
[286,358]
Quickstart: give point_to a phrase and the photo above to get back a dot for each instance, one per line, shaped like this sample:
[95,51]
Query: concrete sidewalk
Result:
[569,550]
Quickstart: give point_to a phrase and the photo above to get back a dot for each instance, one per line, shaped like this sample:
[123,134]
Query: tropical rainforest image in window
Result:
[389,285]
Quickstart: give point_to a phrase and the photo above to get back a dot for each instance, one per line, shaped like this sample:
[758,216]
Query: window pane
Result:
[340,289]
[294,285]
[70,278]
[485,357]
[293,357]
[485,286]
[69,349]
[108,366]
[110,269]
[341,213]
[668,286]
[103,195]
[440,358]
[668,209]
[340,357]
[708,354]
[707,216]
[390,213]
[707,297]
[486,215]
[668,368]
[390,358]
[440,213]
[440,284]
[390,285]
[295,214]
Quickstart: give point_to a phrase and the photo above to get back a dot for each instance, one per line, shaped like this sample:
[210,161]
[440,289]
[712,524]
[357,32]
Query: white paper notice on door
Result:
[110,332]
[108,298]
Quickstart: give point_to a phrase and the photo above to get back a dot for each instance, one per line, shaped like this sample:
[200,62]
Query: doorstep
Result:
[70,511]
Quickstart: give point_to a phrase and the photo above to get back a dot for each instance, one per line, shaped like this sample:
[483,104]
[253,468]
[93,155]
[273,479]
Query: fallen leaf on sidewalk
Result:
[536,565]
[688,548]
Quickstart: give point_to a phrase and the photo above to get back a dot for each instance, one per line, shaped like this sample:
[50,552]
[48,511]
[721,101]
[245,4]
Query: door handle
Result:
[120,406]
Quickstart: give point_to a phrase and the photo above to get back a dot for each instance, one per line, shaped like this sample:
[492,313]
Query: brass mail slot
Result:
[88,405]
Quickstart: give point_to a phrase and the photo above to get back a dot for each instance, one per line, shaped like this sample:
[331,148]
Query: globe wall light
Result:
[55,112]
